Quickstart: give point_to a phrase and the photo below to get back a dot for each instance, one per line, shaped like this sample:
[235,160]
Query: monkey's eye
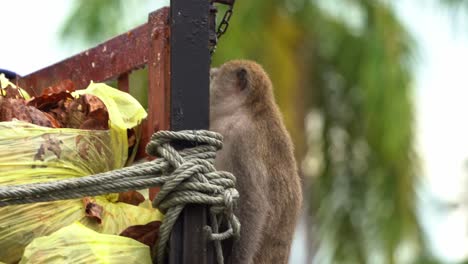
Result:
[242,78]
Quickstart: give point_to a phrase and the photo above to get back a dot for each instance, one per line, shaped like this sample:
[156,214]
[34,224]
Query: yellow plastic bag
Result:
[77,244]
[124,112]
[4,83]
[20,224]
[30,153]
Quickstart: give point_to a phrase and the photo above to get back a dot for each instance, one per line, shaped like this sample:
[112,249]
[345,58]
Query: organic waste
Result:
[65,133]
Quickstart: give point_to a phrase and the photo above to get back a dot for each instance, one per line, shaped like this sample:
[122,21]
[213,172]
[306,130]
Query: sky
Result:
[30,42]
[29,35]
[441,98]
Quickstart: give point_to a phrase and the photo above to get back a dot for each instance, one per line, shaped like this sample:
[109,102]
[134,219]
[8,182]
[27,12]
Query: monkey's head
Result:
[237,85]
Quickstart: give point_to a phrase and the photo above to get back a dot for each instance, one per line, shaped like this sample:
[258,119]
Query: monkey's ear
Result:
[242,78]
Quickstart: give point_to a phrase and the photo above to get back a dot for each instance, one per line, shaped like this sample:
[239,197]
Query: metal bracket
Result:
[216,33]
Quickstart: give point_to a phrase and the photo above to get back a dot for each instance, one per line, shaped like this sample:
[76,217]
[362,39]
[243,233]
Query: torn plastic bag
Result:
[31,153]
[78,244]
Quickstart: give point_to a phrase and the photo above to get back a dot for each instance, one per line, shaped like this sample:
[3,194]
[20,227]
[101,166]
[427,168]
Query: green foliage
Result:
[365,191]
[456,3]
[91,21]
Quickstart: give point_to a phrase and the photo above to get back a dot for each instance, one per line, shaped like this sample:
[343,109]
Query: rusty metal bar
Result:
[190,64]
[106,61]
[158,78]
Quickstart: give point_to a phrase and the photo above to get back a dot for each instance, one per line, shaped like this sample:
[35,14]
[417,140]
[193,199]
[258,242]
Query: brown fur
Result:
[259,151]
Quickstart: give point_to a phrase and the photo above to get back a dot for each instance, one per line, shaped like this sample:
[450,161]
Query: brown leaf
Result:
[93,103]
[53,101]
[47,102]
[131,138]
[87,112]
[54,123]
[13,108]
[13,93]
[58,110]
[147,234]
[40,118]
[85,144]
[84,112]
[131,197]
[17,109]
[76,113]
[62,86]
[96,120]
[50,144]
[56,107]
[93,210]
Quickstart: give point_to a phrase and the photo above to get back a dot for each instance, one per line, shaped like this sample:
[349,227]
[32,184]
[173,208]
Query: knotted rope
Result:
[186,176]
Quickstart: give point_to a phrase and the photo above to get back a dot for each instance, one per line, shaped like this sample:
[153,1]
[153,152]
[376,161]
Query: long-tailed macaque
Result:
[259,152]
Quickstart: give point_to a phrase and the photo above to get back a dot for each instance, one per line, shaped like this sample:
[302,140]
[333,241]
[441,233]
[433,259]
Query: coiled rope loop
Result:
[194,181]
[186,176]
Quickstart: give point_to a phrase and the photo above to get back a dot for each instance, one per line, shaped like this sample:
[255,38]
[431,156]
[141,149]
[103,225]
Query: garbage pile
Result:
[66,133]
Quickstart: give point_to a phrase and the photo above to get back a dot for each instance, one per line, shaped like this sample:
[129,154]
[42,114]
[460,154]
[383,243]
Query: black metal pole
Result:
[190,65]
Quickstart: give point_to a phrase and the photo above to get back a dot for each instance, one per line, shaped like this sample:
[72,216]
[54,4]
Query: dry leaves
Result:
[131,197]
[17,109]
[93,210]
[57,108]
[51,144]
[84,112]
[147,234]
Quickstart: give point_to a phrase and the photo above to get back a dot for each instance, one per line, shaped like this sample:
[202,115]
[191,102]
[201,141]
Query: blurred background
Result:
[374,94]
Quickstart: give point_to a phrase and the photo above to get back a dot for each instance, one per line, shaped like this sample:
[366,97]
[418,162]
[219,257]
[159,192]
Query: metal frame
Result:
[190,65]
[174,45]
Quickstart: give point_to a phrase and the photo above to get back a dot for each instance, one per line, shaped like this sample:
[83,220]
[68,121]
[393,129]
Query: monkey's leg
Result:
[276,245]
[253,207]
[279,230]
[253,216]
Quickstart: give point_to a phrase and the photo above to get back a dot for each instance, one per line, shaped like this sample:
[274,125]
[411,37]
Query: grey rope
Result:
[186,177]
